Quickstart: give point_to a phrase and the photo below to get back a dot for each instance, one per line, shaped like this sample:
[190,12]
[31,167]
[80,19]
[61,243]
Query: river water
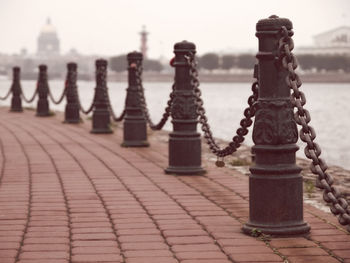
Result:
[329,105]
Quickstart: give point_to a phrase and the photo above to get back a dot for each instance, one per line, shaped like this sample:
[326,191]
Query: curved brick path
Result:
[69,196]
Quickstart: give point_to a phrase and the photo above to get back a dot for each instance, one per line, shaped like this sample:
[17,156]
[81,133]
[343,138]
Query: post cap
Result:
[16,69]
[42,67]
[101,63]
[132,56]
[273,23]
[72,66]
[185,46]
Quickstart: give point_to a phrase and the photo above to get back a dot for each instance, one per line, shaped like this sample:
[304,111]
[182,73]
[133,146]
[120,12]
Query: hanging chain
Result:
[143,103]
[74,80]
[241,132]
[114,116]
[7,95]
[331,195]
[61,98]
[32,98]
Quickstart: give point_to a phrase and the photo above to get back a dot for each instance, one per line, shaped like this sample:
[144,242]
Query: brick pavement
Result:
[70,196]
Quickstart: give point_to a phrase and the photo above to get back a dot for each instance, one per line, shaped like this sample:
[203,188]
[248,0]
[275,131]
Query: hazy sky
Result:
[108,27]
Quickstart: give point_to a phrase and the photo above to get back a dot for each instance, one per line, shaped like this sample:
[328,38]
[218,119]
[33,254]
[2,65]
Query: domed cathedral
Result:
[48,42]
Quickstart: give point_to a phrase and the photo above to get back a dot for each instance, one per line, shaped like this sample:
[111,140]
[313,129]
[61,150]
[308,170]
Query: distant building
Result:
[48,42]
[143,46]
[332,42]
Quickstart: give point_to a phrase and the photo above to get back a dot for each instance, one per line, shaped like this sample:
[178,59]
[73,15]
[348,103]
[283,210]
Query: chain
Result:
[32,98]
[7,95]
[73,80]
[246,122]
[331,195]
[60,99]
[114,116]
[143,103]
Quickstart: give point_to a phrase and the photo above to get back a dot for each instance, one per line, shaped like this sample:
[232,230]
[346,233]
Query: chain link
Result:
[331,195]
[241,132]
[143,103]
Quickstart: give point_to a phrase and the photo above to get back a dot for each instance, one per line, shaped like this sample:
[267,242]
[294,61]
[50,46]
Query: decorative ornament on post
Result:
[275,183]
[184,140]
[135,124]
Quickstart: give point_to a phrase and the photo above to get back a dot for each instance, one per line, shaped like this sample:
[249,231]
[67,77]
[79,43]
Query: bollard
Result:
[43,103]
[135,125]
[184,140]
[275,183]
[100,116]
[71,114]
[16,102]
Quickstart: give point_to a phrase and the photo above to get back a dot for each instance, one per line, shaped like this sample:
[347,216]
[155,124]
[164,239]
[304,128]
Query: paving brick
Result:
[140,238]
[337,245]
[308,251]
[94,236]
[292,242]
[95,250]
[8,253]
[309,259]
[206,261]
[189,240]
[342,253]
[94,243]
[256,257]
[144,246]
[201,255]
[115,258]
[152,260]
[38,240]
[44,255]
[196,247]
[147,253]
[43,261]
[45,247]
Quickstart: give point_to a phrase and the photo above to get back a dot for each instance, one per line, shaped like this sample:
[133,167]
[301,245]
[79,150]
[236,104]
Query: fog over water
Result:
[224,103]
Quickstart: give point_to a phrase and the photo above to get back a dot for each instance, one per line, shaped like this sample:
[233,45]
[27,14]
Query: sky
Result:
[111,27]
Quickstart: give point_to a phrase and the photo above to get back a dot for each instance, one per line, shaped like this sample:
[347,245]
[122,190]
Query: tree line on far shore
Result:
[213,61]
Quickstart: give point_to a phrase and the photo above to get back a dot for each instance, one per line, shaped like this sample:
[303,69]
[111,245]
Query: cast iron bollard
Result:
[100,116]
[43,91]
[184,141]
[275,183]
[72,107]
[135,125]
[16,102]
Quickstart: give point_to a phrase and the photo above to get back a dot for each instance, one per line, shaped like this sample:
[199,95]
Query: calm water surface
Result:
[329,105]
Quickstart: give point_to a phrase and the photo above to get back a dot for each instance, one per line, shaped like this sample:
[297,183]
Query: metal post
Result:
[184,141]
[71,113]
[275,183]
[101,116]
[43,103]
[16,102]
[135,125]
